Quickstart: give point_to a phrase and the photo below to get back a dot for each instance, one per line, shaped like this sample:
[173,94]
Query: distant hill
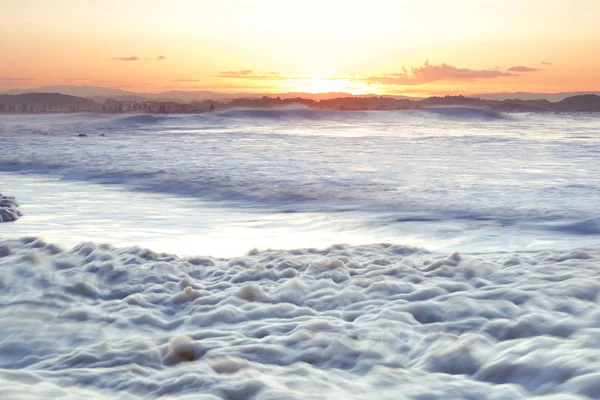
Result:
[579,103]
[100,94]
[554,97]
[52,102]
[46,102]
[586,102]
[72,90]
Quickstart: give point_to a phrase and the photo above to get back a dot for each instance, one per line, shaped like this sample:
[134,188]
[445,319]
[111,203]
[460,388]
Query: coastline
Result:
[41,103]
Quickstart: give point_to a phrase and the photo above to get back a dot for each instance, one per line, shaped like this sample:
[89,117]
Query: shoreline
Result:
[216,112]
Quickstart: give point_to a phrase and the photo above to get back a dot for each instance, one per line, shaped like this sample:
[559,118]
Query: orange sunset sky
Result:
[378,46]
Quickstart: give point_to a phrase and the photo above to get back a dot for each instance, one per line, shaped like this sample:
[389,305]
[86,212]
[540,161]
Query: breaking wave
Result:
[282,114]
[305,113]
[466,113]
[144,119]
[284,195]
[200,184]
[589,226]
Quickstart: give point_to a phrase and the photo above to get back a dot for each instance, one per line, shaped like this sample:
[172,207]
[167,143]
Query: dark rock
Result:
[9,209]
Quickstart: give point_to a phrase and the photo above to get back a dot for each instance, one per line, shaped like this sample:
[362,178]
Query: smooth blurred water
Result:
[224,183]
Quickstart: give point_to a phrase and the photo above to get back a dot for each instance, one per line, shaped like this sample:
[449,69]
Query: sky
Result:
[403,47]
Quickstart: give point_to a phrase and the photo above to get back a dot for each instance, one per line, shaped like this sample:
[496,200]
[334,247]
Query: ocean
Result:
[301,254]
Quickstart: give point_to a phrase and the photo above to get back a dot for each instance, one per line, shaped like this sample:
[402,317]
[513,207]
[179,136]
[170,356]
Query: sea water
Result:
[291,254]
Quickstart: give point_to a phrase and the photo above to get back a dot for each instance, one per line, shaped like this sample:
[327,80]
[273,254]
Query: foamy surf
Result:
[380,322]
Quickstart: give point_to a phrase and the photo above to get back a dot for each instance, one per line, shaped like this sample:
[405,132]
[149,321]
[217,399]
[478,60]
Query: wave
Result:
[143,119]
[588,226]
[466,113]
[334,115]
[284,113]
[541,222]
[306,114]
[223,117]
[290,196]
[59,125]
[199,184]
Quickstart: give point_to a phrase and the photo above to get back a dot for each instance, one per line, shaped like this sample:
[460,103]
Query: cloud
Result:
[522,68]
[109,81]
[423,74]
[245,87]
[432,73]
[246,73]
[545,63]
[15,79]
[135,58]
[115,84]
[259,76]
[132,58]
[186,80]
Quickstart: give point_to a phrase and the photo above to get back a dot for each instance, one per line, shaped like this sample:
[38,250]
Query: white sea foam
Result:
[378,322]
[9,209]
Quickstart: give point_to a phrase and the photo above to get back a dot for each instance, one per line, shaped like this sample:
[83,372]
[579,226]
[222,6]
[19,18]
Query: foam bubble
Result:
[351,322]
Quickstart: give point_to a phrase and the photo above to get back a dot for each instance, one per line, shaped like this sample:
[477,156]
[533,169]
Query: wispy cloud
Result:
[114,84]
[15,79]
[522,68]
[109,81]
[545,63]
[428,73]
[136,58]
[245,87]
[236,74]
[250,74]
[131,58]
